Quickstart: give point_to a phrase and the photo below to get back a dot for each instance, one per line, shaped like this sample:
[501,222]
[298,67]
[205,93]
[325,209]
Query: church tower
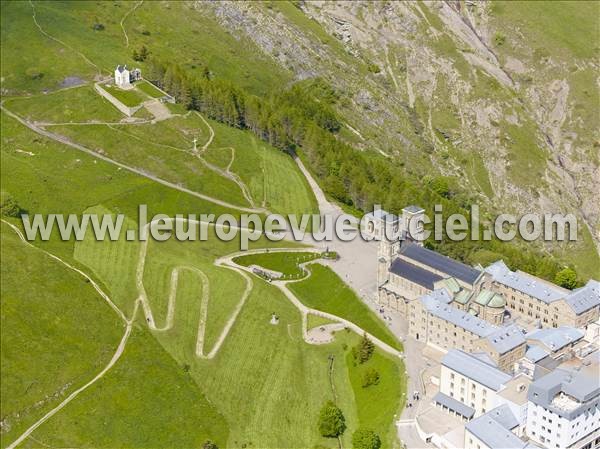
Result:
[386,252]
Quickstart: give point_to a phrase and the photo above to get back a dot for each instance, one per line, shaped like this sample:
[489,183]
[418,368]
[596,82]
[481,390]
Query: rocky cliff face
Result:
[502,97]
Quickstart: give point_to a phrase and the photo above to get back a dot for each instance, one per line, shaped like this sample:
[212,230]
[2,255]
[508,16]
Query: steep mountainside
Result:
[501,97]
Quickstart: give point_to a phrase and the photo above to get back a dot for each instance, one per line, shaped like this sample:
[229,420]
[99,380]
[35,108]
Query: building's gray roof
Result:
[414,273]
[475,369]
[413,209]
[458,317]
[577,385]
[556,338]
[121,68]
[454,405]
[503,415]
[536,353]
[440,262]
[380,214]
[525,283]
[493,429]
[585,298]
[484,358]
[506,338]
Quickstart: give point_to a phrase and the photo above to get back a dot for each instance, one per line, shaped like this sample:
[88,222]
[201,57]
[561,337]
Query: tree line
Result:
[301,120]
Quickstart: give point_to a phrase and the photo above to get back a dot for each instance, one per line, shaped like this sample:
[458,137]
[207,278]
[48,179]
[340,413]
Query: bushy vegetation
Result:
[364,350]
[365,439]
[370,377]
[331,421]
[567,278]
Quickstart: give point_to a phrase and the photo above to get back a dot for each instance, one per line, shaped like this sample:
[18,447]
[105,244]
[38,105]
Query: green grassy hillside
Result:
[325,291]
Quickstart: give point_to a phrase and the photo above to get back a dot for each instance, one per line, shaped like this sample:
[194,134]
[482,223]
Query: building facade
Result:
[564,410]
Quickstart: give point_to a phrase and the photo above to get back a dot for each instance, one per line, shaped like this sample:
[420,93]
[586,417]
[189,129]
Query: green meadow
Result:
[324,290]
[264,387]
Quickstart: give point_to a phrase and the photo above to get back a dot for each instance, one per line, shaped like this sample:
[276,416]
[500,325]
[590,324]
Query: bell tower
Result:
[386,252]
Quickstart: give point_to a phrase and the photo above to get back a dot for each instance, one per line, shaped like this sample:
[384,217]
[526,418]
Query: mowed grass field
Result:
[324,290]
[271,176]
[376,404]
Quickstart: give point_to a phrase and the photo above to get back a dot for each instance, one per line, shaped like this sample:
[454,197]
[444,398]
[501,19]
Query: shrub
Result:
[373,68]
[499,39]
[370,377]
[98,27]
[566,278]
[9,207]
[331,421]
[365,439]
[364,350]
[208,444]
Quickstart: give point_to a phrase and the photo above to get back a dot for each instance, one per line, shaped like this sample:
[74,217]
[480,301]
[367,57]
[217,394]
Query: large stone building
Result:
[451,305]
[533,299]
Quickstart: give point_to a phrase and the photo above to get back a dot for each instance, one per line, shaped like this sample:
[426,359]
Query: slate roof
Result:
[506,338]
[454,405]
[536,353]
[381,214]
[556,338]
[413,209]
[585,298]
[504,416]
[475,369]
[456,316]
[440,262]
[493,429]
[525,283]
[414,273]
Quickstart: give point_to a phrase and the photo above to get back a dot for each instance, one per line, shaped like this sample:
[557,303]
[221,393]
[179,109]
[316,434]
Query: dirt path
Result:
[116,356]
[204,300]
[136,6]
[304,310]
[137,171]
[225,173]
[49,36]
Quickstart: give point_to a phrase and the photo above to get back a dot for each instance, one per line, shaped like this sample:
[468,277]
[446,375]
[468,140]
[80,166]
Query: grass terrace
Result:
[130,98]
[149,89]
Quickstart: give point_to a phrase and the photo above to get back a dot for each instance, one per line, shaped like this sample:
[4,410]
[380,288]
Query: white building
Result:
[124,77]
[564,409]
[469,384]
[495,430]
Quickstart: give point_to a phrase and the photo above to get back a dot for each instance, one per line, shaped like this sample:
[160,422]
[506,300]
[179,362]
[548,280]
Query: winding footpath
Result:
[116,356]
[137,171]
[49,36]
[136,6]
